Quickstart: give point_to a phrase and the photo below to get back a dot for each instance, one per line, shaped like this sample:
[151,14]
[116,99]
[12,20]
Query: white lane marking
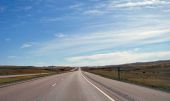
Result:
[54,84]
[111,99]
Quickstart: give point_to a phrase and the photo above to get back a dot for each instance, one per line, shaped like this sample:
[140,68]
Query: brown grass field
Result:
[152,74]
[14,70]
[17,70]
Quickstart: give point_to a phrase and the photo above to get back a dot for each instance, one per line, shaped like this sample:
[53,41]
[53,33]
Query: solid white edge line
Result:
[98,88]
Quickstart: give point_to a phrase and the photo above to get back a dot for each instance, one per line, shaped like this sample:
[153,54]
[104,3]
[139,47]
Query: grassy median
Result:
[21,70]
[21,78]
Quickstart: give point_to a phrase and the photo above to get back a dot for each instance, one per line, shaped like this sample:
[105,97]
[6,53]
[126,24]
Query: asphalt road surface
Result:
[79,86]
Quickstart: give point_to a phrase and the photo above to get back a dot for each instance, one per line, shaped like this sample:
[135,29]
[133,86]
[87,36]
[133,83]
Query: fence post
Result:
[118,71]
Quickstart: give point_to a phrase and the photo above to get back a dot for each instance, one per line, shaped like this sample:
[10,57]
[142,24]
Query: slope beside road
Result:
[77,86]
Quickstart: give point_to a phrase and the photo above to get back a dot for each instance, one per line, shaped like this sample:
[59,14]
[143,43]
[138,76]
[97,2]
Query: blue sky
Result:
[83,32]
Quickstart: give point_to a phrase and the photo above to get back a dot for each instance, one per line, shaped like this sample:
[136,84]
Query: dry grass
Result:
[21,70]
[20,78]
[146,79]
[154,74]
[15,70]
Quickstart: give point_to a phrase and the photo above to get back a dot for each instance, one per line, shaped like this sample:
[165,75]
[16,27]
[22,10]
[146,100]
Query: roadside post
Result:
[118,73]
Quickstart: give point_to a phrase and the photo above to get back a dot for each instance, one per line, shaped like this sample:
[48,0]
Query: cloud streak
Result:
[59,35]
[119,58]
[139,3]
[93,12]
[103,41]
[104,7]
[27,45]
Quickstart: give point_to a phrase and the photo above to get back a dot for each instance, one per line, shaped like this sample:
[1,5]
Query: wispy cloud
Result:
[50,19]
[77,6]
[59,35]
[136,49]
[103,7]
[27,45]
[93,12]
[55,18]
[140,3]
[119,58]
[90,30]
[104,40]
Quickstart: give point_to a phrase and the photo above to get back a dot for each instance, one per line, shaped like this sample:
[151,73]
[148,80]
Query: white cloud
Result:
[60,35]
[103,7]
[93,12]
[136,49]
[139,3]
[119,58]
[104,40]
[26,45]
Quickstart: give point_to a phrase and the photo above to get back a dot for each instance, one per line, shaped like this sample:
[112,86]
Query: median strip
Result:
[10,76]
[13,80]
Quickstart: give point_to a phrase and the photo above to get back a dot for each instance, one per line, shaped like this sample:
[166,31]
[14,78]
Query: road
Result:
[8,76]
[79,86]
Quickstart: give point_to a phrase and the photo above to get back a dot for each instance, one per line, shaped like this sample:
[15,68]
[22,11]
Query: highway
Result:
[79,86]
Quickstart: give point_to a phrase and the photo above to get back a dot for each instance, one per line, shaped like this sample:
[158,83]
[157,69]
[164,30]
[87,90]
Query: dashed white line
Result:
[54,84]
[111,99]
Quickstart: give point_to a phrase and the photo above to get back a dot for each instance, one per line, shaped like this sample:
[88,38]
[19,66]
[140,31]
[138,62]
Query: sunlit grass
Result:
[150,79]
